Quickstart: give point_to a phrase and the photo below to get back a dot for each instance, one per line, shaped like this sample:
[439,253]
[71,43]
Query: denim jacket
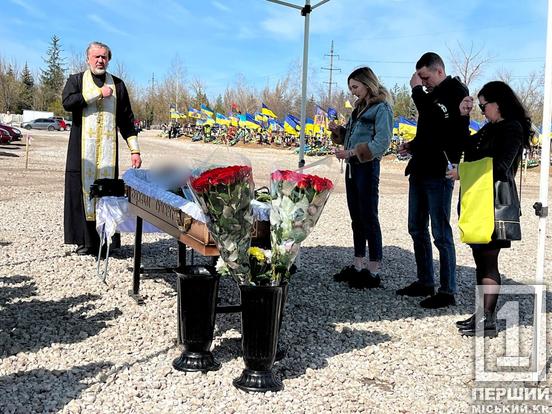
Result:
[370,131]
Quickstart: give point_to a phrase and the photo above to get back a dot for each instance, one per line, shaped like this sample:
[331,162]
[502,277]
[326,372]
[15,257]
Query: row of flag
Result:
[265,118]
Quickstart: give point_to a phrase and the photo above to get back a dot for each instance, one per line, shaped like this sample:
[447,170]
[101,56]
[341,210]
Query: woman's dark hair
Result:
[509,105]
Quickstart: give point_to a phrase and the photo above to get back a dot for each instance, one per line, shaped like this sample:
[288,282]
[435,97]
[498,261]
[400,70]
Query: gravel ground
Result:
[71,344]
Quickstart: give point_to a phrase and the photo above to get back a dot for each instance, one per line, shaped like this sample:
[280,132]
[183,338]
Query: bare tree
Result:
[469,63]
[244,96]
[278,98]
[77,62]
[530,91]
[199,97]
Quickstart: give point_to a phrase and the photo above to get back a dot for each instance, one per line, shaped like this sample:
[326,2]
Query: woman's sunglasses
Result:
[482,106]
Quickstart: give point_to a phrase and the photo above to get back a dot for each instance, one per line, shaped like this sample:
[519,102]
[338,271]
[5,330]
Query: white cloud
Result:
[284,24]
[30,9]
[106,25]
[245,32]
[215,23]
[220,6]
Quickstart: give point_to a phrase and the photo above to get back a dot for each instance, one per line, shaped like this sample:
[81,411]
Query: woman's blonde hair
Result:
[376,91]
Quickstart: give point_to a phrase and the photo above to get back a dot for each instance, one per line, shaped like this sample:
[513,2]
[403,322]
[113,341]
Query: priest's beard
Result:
[97,71]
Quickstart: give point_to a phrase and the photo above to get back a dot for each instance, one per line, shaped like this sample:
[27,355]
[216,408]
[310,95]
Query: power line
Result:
[331,70]
[409,62]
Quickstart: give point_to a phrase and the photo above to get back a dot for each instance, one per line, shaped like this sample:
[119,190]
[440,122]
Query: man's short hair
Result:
[99,44]
[430,60]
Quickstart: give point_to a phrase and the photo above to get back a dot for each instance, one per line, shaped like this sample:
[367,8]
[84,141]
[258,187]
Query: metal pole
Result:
[541,209]
[545,149]
[306,11]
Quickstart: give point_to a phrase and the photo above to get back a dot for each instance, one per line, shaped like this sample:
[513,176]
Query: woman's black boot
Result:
[488,323]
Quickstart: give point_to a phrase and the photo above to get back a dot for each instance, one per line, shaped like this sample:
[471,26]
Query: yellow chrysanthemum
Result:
[257,253]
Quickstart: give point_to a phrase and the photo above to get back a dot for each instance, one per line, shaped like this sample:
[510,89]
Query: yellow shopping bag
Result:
[476,220]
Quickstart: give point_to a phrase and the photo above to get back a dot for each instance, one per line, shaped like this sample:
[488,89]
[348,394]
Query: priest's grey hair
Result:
[99,44]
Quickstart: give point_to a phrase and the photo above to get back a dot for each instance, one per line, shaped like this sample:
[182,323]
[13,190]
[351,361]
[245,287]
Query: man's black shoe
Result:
[84,251]
[416,289]
[346,274]
[488,323]
[465,322]
[440,300]
[364,280]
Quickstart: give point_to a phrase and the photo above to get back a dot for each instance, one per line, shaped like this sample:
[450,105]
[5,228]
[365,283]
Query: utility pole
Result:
[151,114]
[331,69]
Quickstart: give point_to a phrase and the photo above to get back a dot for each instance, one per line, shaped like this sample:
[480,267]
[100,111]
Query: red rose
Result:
[200,183]
[304,182]
[321,184]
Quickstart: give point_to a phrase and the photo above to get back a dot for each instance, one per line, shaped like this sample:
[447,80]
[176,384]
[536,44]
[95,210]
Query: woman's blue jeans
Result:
[431,198]
[362,186]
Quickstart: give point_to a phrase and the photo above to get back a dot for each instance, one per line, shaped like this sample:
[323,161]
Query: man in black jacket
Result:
[441,130]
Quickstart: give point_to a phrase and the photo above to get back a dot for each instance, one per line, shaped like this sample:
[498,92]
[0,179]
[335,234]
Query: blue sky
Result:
[217,40]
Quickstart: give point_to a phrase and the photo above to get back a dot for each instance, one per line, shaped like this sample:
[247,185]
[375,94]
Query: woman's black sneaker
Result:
[346,274]
[365,280]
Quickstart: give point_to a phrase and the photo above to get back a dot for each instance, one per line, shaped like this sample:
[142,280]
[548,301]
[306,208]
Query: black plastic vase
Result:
[281,351]
[261,311]
[197,295]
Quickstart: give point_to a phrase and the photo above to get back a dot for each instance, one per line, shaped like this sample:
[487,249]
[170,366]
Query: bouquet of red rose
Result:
[297,203]
[225,194]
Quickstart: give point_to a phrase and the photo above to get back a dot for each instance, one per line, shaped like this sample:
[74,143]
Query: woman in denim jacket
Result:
[365,139]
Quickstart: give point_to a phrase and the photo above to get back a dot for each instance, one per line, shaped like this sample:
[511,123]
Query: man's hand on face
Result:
[415,80]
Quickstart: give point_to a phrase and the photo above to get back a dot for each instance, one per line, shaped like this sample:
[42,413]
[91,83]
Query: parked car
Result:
[14,132]
[65,124]
[42,123]
[5,136]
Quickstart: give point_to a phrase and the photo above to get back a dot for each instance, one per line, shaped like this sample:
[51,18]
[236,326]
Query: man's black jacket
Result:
[441,129]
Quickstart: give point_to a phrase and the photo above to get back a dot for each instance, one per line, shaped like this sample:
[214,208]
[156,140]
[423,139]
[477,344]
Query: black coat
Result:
[503,142]
[76,229]
[441,129]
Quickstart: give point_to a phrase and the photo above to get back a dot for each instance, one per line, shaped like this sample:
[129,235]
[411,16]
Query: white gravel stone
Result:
[73,345]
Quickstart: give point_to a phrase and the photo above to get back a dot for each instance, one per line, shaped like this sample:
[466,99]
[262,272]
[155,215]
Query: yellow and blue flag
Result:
[207,111]
[291,125]
[267,112]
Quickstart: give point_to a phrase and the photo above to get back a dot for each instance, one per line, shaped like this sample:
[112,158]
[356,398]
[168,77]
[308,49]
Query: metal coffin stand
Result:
[185,229]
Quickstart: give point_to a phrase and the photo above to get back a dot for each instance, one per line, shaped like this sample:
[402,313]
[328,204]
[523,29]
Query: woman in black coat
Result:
[503,138]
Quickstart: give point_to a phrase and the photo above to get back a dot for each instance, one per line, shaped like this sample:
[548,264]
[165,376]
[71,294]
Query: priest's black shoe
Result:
[486,323]
[440,300]
[365,280]
[416,289]
[346,274]
[83,250]
[465,322]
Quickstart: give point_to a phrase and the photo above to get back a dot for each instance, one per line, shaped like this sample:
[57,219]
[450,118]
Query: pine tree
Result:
[53,77]
[27,89]
[403,103]
[219,105]
[9,88]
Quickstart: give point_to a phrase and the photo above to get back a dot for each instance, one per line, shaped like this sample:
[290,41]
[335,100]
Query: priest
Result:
[100,105]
